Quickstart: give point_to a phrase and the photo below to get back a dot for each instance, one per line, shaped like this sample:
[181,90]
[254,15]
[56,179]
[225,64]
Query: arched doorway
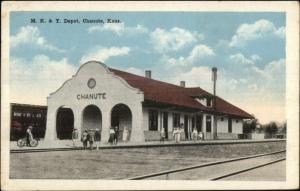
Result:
[121,116]
[92,118]
[64,123]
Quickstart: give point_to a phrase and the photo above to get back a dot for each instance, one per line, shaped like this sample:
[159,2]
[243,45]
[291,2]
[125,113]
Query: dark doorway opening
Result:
[199,123]
[92,118]
[165,123]
[64,123]
[121,117]
[186,126]
[229,125]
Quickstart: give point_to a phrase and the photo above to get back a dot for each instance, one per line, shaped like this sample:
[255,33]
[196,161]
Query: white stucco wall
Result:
[202,101]
[116,91]
[222,125]
[237,128]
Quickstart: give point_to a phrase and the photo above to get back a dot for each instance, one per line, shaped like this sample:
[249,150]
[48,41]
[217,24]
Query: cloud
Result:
[103,53]
[280,32]
[253,87]
[201,76]
[258,30]
[196,76]
[239,58]
[31,81]
[255,57]
[197,53]
[118,28]
[269,72]
[134,70]
[173,40]
[31,35]
[275,70]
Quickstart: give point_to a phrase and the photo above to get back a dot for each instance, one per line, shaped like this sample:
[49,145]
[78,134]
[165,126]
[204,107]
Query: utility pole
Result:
[214,79]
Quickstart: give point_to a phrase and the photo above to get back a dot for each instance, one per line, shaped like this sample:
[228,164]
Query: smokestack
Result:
[182,84]
[148,74]
[214,79]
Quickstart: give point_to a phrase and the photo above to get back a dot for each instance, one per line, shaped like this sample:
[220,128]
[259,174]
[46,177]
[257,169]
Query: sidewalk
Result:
[68,144]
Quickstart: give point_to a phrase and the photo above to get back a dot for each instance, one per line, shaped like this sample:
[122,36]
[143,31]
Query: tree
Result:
[283,130]
[271,129]
[249,126]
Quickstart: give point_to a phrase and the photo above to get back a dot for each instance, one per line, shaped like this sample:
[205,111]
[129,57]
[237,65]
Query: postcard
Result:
[149,95]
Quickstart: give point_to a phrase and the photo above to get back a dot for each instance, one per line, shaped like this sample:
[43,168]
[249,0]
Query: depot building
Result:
[101,97]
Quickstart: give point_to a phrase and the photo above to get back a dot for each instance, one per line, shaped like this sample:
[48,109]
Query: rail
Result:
[200,166]
[247,169]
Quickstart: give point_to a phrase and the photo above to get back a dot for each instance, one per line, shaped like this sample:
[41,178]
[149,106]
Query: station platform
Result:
[68,144]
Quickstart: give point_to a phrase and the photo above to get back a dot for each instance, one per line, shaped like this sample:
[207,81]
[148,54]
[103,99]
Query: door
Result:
[199,123]
[229,125]
[186,126]
[165,123]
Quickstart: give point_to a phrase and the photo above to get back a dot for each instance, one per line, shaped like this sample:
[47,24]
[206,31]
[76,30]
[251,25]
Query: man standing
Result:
[74,136]
[162,135]
[176,134]
[29,136]
[84,139]
[111,135]
[116,134]
[91,138]
[97,138]
[195,134]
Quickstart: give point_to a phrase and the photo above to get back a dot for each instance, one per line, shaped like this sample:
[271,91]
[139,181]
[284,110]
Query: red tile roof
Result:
[163,92]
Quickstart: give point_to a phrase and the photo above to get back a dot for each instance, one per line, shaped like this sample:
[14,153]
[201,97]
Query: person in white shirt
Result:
[201,136]
[195,135]
[29,135]
[125,134]
[162,135]
[111,135]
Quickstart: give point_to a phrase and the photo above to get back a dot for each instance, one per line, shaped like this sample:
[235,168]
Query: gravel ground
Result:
[124,163]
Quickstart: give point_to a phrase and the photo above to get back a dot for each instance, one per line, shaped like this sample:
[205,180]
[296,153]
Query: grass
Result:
[124,163]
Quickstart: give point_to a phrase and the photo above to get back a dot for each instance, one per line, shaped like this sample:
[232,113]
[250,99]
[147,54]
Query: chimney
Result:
[148,74]
[182,84]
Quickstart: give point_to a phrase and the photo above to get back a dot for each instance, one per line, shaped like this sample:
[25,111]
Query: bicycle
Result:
[32,143]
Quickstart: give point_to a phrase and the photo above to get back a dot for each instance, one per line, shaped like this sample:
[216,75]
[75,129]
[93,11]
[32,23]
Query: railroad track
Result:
[218,170]
[44,150]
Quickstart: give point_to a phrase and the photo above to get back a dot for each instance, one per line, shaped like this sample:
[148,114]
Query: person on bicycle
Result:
[29,135]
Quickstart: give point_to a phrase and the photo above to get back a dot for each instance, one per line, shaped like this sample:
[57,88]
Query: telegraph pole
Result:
[214,79]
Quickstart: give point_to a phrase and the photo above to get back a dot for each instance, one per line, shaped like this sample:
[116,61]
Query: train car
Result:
[23,115]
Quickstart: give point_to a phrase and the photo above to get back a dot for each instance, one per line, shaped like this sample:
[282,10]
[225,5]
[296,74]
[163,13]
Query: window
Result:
[229,125]
[193,123]
[208,102]
[176,120]
[153,120]
[208,124]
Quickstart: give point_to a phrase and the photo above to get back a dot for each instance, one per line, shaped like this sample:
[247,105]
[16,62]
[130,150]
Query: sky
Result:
[247,48]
